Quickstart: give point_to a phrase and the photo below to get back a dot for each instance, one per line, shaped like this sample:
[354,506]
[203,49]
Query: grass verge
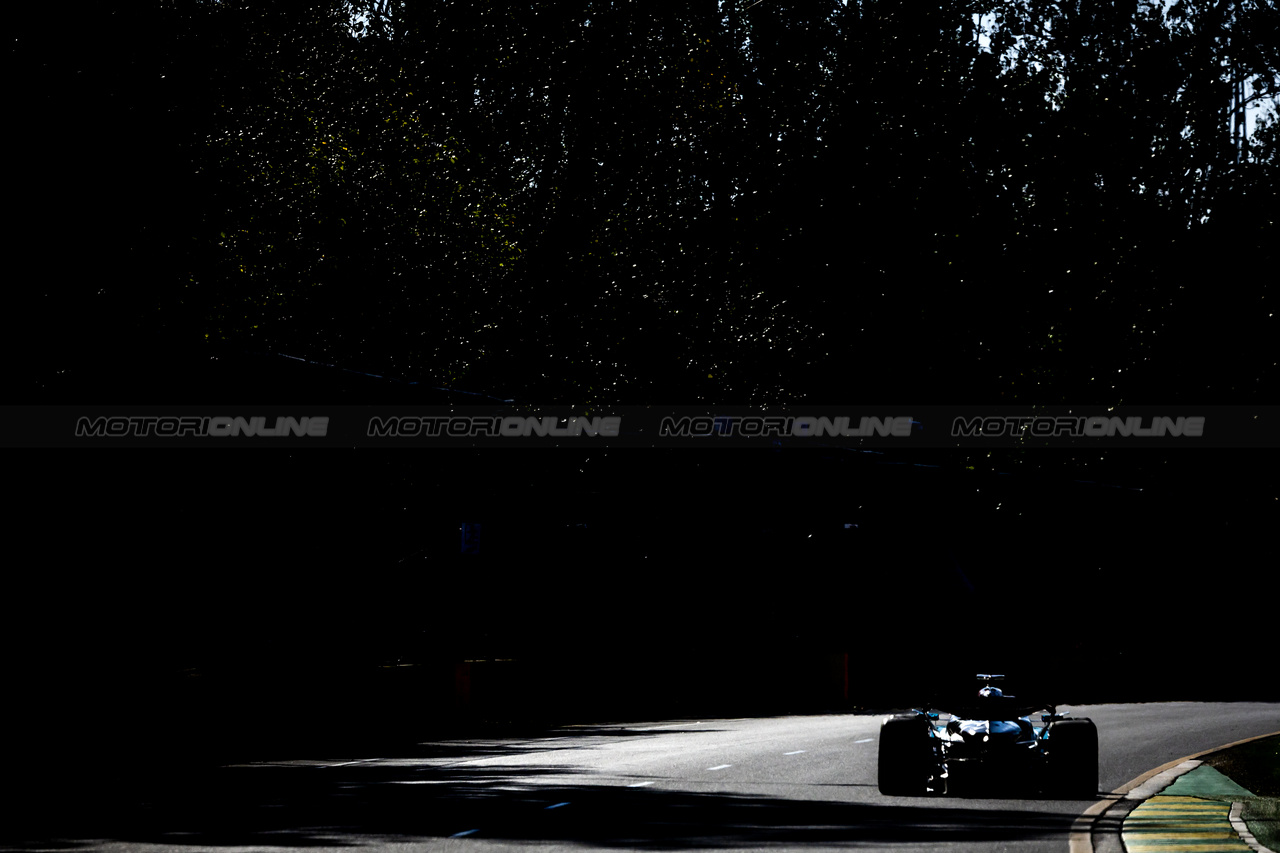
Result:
[1256,766]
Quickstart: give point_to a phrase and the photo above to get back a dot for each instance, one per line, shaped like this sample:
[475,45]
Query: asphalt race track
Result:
[784,783]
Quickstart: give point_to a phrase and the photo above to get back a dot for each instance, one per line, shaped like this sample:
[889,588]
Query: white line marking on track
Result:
[640,785]
[797,752]
[865,740]
[720,767]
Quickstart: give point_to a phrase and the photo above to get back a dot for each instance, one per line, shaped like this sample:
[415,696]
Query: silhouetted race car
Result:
[987,742]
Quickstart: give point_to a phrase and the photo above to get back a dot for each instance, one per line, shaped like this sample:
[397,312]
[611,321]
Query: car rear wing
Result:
[1005,708]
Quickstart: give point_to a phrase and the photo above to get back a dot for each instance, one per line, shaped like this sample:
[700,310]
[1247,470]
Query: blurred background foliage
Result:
[596,202]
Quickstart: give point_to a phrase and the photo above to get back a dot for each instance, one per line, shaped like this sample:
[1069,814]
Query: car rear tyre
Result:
[904,759]
[1072,749]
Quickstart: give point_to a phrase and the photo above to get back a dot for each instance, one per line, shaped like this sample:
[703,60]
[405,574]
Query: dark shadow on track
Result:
[308,806]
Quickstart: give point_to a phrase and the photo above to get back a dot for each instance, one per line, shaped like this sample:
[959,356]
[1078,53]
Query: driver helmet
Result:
[991,693]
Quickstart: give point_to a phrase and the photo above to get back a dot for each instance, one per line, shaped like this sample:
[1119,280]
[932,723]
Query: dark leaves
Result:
[611,202]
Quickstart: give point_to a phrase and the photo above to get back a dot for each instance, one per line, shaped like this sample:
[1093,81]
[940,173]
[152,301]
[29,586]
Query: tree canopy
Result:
[1067,201]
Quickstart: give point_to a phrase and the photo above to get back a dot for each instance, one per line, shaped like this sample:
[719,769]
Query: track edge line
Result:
[1080,838]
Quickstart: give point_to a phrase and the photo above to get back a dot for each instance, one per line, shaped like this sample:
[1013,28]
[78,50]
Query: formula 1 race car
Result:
[988,742]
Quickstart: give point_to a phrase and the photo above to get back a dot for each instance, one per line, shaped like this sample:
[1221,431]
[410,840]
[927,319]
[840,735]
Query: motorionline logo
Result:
[752,426]
[473,426]
[1092,427]
[214,427]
